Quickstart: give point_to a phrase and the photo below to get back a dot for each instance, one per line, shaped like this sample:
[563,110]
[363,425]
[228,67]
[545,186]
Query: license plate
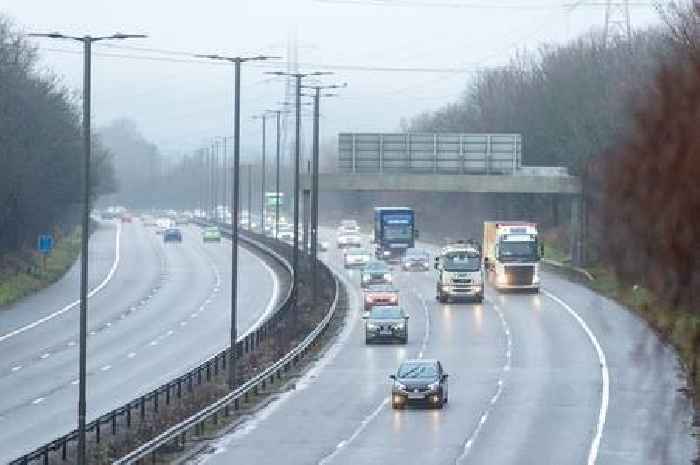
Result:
[385,333]
[412,395]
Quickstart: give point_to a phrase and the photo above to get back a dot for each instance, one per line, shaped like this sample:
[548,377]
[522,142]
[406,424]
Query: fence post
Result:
[114,423]
[128,416]
[381,153]
[461,154]
[435,154]
[354,156]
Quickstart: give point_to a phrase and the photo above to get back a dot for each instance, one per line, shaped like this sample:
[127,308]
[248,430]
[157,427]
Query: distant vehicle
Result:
[422,381]
[356,258]
[181,220]
[460,272]
[416,260]
[386,323]
[380,294]
[349,240]
[148,220]
[512,254]
[108,214]
[375,272]
[126,218]
[394,232]
[172,235]
[211,234]
[162,224]
[348,227]
[286,232]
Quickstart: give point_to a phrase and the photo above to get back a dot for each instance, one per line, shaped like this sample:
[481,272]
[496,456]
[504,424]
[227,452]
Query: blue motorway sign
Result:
[45,243]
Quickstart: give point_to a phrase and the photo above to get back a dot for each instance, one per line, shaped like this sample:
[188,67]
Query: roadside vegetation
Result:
[41,176]
[624,117]
[26,272]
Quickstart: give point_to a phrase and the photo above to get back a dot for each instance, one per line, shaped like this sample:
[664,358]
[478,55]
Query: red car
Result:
[126,218]
[380,294]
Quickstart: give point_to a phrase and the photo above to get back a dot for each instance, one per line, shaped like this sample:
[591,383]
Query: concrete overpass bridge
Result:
[524,180]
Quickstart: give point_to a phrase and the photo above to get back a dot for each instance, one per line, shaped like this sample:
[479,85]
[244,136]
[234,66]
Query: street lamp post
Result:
[314,188]
[87,81]
[297,156]
[235,200]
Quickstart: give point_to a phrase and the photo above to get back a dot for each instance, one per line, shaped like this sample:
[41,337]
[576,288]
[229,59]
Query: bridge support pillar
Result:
[576,232]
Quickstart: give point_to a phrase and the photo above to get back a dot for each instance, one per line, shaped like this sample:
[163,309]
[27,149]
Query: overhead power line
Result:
[469,5]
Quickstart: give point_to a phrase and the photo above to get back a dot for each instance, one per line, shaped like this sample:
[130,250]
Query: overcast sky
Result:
[181,103]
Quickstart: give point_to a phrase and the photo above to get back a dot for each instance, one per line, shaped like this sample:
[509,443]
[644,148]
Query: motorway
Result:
[157,310]
[527,386]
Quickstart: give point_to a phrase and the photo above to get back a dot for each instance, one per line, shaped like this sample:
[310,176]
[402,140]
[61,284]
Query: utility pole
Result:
[617,22]
[314,183]
[297,156]
[87,148]
[263,206]
[232,379]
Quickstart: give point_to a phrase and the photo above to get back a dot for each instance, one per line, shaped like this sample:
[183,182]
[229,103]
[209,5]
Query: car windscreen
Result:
[376,268]
[518,251]
[462,262]
[398,231]
[417,370]
[383,313]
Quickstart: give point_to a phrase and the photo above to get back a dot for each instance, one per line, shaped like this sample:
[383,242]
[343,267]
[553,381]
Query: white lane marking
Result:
[604,374]
[73,304]
[131,355]
[70,343]
[106,367]
[38,400]
[369,418]
[499,389]
[75,382]
[183,323]
[366,421]
[311,375]
[154,343]
[16,368]
[45,356]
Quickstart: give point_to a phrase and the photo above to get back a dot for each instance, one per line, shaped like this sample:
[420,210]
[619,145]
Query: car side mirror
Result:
[406,317]
[444,376]
[416,234]
[541,250]
[364,317]
[392,377]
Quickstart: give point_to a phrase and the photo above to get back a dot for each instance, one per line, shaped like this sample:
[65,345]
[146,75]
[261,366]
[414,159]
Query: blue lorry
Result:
[394,232]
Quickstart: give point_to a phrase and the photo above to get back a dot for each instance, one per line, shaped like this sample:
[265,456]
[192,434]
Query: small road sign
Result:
[45,243]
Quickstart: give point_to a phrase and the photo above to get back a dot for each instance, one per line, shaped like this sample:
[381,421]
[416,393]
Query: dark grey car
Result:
[386,323]
[419,381]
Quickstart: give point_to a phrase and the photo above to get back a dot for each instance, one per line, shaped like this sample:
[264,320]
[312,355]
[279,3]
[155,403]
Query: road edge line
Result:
[70,306]
[605,378]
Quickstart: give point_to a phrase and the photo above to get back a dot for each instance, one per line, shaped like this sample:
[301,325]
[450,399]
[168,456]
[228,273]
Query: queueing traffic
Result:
[507,257]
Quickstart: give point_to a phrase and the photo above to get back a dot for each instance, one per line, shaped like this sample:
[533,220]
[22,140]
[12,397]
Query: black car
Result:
[420,381]
[172,235]
[416,260]
[386,323]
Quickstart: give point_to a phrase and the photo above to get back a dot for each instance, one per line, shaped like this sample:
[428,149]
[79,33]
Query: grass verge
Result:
[23,273]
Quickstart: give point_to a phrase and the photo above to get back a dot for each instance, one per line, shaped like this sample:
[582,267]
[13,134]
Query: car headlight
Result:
[386,253]
[399,386]
[364,277]
[501,277]
[434,387]
[400,325]
[371,326]
[387,276]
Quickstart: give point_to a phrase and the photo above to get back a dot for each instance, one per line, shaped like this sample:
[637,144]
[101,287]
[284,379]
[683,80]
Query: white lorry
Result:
[512,254]
[460,272]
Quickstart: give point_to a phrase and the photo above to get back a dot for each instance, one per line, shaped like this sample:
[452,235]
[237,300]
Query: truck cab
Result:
[394,232]
[512,255]
[460,272]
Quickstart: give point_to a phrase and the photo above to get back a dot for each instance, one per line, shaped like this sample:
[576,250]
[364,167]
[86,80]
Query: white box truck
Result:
[460,272]
[512,254]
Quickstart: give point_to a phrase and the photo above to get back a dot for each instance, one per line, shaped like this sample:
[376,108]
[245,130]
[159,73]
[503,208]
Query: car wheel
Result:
[440,404]
[404,340]
[396,406]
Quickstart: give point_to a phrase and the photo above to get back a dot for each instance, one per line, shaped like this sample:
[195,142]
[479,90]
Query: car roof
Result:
[377,264]
[357,251]
[381,288]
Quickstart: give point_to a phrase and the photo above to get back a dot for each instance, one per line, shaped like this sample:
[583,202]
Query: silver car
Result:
[386,323]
